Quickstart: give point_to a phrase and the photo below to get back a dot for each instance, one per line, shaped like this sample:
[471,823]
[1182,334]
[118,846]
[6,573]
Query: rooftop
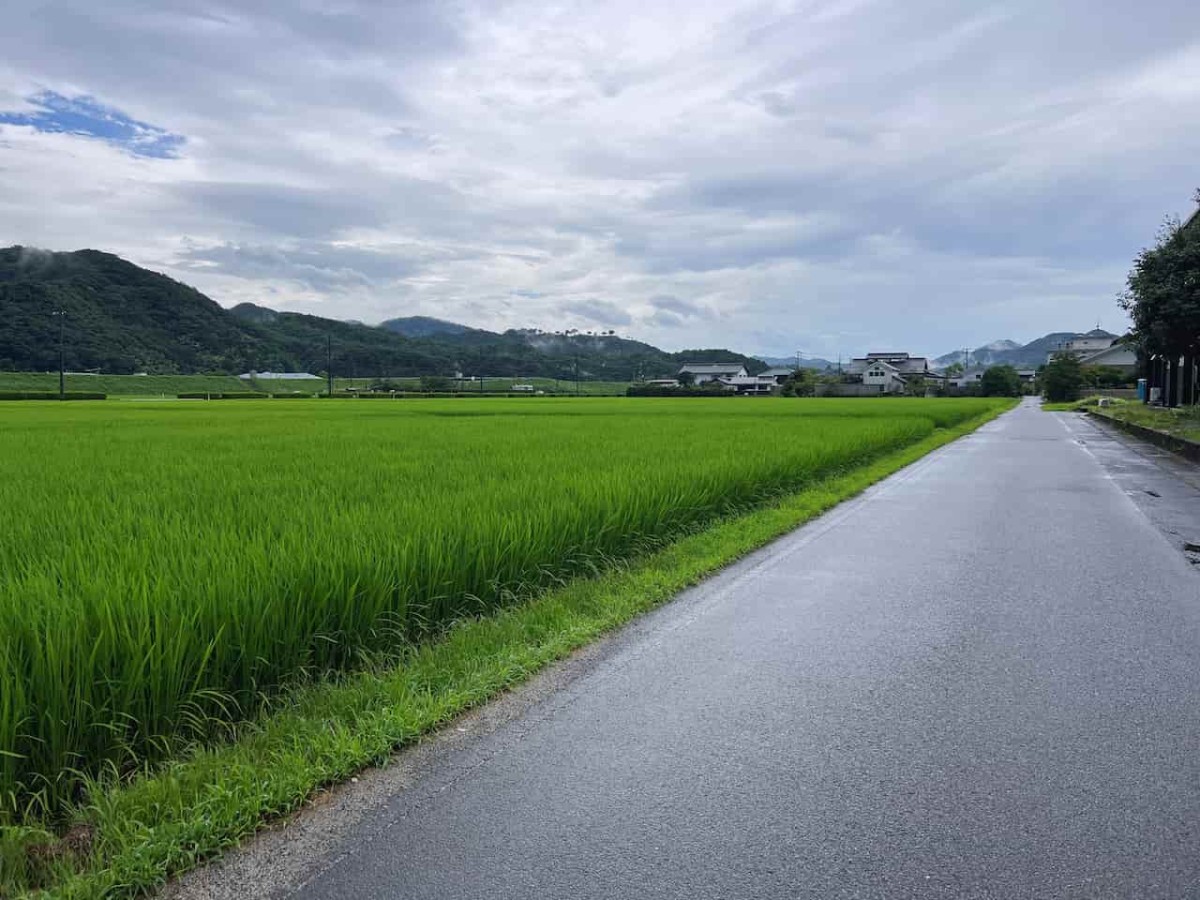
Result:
[711,368]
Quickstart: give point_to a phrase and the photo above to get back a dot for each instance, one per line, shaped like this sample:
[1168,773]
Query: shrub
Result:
[51,395]
[227,395]
[655,390]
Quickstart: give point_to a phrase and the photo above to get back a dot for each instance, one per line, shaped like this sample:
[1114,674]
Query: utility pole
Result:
[329,361]
[797,361]
[62,368]
[577,376]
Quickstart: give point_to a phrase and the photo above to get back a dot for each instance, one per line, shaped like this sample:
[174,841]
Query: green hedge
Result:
[51,395]
[414,395]
[228,395]
[654,390]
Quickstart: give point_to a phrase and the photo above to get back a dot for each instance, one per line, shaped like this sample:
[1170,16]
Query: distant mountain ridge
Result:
[806,362]
[1021,356]
[120,318]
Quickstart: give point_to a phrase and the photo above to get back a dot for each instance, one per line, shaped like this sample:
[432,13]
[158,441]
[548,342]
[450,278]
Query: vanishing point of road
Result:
[979,679]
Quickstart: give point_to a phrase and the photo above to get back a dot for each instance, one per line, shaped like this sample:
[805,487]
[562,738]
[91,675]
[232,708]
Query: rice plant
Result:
[166,567]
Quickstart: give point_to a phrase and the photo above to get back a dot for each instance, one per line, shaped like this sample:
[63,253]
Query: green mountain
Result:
[120,318]
[427,326]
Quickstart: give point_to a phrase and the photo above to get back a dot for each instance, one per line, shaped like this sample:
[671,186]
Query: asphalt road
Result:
[980,679]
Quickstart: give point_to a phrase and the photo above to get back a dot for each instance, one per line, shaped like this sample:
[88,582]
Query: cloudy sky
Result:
[825,175]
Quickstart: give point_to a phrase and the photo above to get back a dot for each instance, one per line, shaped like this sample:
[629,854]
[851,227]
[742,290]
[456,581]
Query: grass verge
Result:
[133,836]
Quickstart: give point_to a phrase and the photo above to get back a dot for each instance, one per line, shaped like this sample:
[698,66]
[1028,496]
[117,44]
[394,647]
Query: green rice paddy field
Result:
[166,566]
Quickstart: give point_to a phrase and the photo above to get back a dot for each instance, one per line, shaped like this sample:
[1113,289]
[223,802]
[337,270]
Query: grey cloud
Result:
[677,306]
[602,312]
[280,210]
[321,267]
[664,318]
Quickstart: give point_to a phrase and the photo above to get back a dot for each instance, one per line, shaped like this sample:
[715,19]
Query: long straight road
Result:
[980,679]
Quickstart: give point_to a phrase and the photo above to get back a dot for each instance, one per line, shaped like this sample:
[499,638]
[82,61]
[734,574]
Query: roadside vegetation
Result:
[1162,298]
[174,385]
[173,571]
[1178,422]
[116,385]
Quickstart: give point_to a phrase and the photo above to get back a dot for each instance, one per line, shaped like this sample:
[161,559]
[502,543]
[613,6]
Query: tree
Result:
[436,383]
[687,379]
[1104,376]
[1163,299]
[801,383]
[1061,378]
[954,369]
[1000,381]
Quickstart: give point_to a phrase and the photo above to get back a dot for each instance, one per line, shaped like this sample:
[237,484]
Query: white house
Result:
[750,384]
[1083,345]
[279,376]
[1118,356]
[891,372]
[907,366]
[704,372]
[885,376]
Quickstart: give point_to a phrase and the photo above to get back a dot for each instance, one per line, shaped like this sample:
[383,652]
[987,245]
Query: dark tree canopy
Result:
[1000,381]
[1062,378]
[1163,292]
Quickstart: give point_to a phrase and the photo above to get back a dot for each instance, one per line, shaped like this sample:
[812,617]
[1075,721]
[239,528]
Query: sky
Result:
[828,176]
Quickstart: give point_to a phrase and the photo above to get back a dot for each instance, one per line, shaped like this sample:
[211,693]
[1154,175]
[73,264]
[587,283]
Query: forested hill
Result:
[120,318]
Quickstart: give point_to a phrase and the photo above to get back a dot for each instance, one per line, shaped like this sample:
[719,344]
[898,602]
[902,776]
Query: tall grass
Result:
[164,567]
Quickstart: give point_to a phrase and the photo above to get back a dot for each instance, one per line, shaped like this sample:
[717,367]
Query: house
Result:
[1083,345]
[750,384]
[662,382]
[974,376]
[885,376]
[779,374]
[705,372]
[1118,356]
[965,379]
[279,376]
[888,370]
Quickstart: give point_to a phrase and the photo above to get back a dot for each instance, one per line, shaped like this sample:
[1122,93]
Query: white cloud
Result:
[829,175]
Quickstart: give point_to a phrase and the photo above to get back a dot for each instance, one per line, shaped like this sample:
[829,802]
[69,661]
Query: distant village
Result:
[889,372]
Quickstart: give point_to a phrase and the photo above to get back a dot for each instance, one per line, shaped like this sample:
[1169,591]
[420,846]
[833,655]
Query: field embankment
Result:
[172,385]
[170,566]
